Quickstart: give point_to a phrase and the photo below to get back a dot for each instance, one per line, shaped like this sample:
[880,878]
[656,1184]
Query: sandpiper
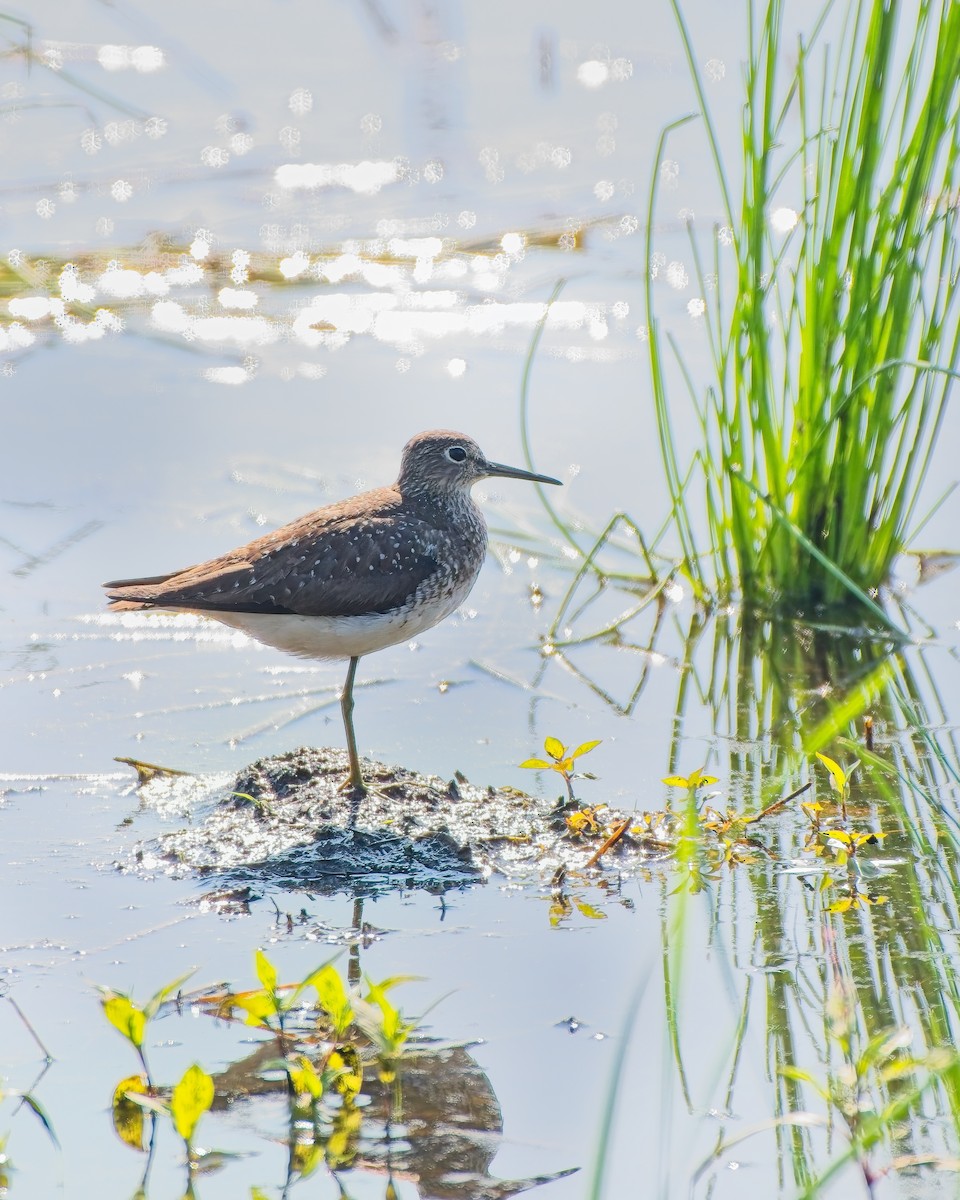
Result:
[352,577]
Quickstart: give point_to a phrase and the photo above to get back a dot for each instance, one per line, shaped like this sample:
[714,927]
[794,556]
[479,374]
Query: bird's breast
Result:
[352,636]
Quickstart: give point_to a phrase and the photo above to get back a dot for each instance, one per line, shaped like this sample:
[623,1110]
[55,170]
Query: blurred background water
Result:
[417,178]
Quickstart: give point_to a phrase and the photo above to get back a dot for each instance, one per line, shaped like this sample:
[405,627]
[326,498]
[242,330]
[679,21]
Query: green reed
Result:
[832,345]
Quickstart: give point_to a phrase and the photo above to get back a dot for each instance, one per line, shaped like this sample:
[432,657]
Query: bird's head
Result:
[441,460]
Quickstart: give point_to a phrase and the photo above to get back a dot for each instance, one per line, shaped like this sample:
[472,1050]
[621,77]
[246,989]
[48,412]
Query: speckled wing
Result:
[345,565]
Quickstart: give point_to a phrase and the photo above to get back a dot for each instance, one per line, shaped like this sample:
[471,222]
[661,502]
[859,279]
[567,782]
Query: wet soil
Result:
[285,821]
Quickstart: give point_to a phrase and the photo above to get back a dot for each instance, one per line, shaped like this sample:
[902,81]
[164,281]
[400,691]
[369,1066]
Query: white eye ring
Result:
[456,454]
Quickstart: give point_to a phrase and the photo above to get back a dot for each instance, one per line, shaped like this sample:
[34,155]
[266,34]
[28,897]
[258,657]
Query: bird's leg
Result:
[354,781]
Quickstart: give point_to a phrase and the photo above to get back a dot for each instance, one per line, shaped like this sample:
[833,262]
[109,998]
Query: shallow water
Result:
[165,442]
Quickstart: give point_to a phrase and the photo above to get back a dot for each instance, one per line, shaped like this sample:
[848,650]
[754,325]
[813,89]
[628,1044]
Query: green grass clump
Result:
[832,344]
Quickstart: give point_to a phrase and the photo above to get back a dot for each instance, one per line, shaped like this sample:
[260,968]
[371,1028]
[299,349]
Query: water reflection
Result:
[423,1115]
[850,943]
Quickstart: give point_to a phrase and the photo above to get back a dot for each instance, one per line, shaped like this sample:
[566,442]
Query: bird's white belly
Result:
[339,637]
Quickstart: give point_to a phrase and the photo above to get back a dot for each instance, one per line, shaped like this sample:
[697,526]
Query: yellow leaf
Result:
[676,781]
[332,996]
[190,1099]
[341,1146]
[349,1070]
[554,748]
[838,777]
[559,910]
[537,764]
[307,1156]
[841,905]
[580,822]
[127,1114]
[257,1005]
[589,910]
[305,1080]
[585,748]
[840,835]
[266,971]
[125,1016]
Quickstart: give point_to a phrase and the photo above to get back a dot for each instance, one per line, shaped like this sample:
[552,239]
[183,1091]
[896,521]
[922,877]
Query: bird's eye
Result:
[456,453]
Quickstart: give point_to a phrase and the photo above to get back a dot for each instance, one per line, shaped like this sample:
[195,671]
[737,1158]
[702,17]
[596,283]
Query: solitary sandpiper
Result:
[352,577]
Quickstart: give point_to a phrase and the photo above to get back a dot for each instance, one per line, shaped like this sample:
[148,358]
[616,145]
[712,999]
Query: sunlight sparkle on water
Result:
[237,298]
[593,73]
[127,285]
[676,275]
[214,156]
[301,101]
[170,316]
[365,178]
[15,337]
[415,247]
[782,220]
[185,275]
[32,308]
[144,59]
[295,265]
[242,331]
[513,243]
[232,376]
[71,288]
[715,69]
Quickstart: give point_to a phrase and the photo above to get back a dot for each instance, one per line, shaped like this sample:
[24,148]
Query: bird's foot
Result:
[353,787]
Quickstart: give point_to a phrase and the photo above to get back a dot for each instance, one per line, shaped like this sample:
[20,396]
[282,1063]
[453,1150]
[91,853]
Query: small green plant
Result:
[385,1026]
[132,1020]
[585,820]
[188,1100]
[322,1051]
[563,761]
[874,1087]
[839,780]
[334,999]
[269,1006]
[843,845]
[692,782]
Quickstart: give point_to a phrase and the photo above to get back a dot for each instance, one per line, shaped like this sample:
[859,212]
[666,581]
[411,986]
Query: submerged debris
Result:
[284,821]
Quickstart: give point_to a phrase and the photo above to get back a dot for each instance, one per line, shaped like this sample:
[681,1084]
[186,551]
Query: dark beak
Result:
[516,473]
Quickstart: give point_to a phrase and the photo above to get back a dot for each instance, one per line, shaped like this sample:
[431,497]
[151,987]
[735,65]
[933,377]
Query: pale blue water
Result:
[125,455]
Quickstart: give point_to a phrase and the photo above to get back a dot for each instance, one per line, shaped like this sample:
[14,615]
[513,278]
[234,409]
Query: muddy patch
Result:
[283,821]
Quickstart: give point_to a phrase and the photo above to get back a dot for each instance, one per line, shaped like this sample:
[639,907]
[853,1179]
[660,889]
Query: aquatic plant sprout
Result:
[833,331]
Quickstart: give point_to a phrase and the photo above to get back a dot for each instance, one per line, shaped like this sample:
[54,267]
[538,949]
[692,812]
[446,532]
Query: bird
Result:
[352,577]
